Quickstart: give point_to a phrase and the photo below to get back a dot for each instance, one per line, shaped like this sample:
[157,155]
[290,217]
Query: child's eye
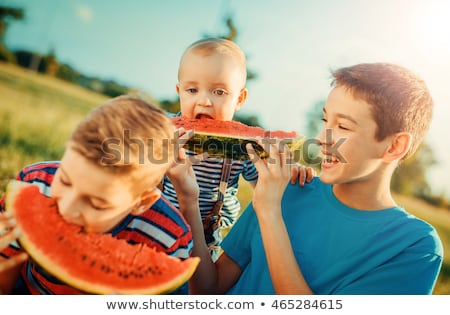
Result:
[219,92]
[98,207]
[323,119]
[192,90]
[343,127]
[64,181]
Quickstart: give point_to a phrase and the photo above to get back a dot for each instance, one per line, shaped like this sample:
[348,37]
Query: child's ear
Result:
[242,98]
[148,198]
[398,147]
[177,87]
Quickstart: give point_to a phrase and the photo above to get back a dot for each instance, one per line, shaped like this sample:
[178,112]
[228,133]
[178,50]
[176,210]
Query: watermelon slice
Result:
[227,139]
[91,262]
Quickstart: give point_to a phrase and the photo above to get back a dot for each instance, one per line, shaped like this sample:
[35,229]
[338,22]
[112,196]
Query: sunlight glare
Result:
[434,27]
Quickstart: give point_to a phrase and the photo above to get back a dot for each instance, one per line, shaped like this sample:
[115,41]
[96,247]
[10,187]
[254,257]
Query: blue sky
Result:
[290,44]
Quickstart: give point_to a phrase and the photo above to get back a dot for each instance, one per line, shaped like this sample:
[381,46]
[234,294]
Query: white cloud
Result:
[84,13]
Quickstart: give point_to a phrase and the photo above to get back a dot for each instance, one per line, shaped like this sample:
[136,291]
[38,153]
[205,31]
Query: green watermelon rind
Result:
[43,258]
[219,146]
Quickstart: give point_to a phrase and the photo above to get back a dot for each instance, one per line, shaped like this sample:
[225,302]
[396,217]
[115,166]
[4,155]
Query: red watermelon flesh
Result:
[229,128]
[228,139]
[91,262]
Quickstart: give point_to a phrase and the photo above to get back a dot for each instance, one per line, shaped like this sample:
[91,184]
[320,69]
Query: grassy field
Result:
[37,114]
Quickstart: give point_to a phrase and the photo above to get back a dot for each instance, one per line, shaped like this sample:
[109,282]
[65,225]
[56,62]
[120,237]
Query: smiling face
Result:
[211,85]
[92,197]
[351,152]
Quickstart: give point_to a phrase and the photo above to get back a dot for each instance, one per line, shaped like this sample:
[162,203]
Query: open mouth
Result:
[329,159]
[203,116]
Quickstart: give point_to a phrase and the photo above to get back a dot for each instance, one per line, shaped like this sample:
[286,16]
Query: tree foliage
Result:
[49,64]
[248,119]
[410,177]
[6,14]
[232,34]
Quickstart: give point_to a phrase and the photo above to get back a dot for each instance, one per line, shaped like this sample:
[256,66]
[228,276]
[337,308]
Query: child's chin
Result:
[325,178]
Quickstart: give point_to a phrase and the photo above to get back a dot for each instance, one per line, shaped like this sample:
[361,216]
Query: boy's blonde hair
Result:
[124,134]
[219,46]
[399,99]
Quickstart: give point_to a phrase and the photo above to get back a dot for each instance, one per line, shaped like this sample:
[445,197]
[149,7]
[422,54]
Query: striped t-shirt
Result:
[161,226]
[208,173]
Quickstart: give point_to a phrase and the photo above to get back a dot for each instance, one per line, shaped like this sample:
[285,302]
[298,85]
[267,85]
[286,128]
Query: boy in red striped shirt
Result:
[103,184]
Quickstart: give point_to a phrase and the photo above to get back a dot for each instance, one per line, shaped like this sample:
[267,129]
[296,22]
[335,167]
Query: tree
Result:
[6,14]
[250,120]
[232,34]
[410,177]
[170,105]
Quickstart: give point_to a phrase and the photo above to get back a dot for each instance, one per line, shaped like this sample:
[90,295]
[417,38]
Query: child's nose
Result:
[69,206]
[204,100]
[325,137]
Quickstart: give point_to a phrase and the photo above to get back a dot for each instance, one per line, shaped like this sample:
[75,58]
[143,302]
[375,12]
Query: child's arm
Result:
[209,278]
[273,177]
[9,268]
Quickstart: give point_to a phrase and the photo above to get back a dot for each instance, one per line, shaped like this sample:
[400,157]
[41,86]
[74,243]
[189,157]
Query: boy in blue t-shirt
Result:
[343,233]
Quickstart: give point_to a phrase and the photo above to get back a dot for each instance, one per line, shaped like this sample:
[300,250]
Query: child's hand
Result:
[9,232]
[274,174]
[181,173]
[304,174]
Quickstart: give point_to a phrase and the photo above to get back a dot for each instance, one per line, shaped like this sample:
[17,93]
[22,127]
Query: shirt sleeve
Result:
[250,173]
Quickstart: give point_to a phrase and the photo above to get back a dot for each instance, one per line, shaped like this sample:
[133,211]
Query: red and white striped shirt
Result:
[161,226]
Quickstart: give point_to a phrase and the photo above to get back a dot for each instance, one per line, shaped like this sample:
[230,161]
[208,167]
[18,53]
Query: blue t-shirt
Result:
[340,250]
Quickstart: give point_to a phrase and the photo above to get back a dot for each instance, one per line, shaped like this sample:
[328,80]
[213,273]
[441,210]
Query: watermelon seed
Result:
[105,268]
[123,275]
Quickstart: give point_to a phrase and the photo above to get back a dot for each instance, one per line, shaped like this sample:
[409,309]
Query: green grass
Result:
[38,113]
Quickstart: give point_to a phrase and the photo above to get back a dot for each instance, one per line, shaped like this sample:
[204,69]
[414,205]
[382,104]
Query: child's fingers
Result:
[7,221]
[284,156]
[310,174]
[302,172]
[13,261]
[195,159]
[182,136]
[294,175]
[8,237]
[254,157]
